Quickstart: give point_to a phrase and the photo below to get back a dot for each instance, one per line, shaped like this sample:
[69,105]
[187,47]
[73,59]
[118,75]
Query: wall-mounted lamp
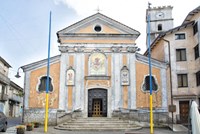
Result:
[17,75]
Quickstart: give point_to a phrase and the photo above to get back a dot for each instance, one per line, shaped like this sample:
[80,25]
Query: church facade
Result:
[97,73]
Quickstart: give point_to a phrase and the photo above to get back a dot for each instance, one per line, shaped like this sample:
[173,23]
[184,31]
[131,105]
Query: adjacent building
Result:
[10,93]
[179,47]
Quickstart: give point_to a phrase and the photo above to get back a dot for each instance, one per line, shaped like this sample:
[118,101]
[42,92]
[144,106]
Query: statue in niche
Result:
[70,77]
[124,76]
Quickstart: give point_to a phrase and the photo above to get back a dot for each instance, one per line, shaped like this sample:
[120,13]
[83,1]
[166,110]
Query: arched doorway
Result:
[97,102]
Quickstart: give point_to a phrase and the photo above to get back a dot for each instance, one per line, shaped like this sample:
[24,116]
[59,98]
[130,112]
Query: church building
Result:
[98,73]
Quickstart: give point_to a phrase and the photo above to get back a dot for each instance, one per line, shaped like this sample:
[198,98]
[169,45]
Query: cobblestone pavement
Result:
[51,130]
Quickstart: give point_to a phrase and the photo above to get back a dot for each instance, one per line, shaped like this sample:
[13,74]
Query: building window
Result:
[3,91]
[182,80]
[159,27]
[146,84]
[180,54]
[198,78]
[42,85]
[195,28]
[97,28]
[180,36]
[196,51]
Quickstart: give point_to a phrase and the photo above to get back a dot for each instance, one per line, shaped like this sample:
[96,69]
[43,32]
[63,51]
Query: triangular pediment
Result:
[97,28]
[107,25]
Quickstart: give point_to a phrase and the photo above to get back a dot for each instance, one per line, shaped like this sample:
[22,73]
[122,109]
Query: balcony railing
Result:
[3,97]
[15,97]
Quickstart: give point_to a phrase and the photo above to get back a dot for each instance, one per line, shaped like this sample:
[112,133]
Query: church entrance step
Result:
[97,123]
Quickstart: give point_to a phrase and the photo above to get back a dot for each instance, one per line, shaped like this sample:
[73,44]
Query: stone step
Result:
[96,119]
[99,129]
[97,123]
[94,123]
[97,126]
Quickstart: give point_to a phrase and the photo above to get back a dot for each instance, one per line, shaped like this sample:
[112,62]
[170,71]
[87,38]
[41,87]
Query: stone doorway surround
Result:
[97,102]
[85,114]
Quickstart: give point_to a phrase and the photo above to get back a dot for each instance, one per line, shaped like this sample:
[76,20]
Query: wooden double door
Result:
[97,103]
[184,111]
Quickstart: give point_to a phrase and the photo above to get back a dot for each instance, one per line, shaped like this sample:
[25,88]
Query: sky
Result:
[24,24]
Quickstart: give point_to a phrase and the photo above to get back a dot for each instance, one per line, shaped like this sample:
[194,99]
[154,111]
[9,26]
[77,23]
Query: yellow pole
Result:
[46,112]
[150,79]
[47,82]
[151,115]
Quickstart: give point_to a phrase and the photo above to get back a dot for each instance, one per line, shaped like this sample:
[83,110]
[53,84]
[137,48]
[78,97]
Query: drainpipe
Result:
[170,76]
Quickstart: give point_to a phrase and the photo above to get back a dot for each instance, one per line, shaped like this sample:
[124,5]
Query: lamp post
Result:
[18,76]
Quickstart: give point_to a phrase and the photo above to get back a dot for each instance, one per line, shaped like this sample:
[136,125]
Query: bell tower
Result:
[160,20]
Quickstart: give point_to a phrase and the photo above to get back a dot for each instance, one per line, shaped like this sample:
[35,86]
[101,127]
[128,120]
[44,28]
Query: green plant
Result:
[21,94]
[36,124]
[20,129]
[29,127]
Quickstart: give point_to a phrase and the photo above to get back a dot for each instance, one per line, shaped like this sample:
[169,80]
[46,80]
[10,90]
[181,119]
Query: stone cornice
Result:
[154,62]
[105,48]
[40,63]
[97,77]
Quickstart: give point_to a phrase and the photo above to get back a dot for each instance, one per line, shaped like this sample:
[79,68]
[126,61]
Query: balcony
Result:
[15,98]
[3,97]
[4,79]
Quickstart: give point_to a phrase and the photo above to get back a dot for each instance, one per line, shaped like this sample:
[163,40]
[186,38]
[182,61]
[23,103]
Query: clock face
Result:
[160,15]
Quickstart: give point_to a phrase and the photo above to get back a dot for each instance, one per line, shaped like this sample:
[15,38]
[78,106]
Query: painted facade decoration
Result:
[97,64]
[70,76]
[125,76]
[98,73]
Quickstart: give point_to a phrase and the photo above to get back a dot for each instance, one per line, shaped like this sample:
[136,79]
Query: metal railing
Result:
[15,97]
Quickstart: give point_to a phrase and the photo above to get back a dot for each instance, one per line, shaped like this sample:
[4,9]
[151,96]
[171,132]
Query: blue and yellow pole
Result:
[150,77]
[47,82]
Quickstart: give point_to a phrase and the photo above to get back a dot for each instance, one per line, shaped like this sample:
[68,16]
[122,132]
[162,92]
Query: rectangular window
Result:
[198,78]
[182,80]
[180,36]
[196,51]
[180,54]
[195,28]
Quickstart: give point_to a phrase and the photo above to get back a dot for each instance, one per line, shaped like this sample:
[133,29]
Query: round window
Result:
[97,28]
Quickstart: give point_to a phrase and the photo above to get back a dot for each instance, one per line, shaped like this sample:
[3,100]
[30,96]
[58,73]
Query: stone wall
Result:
[38,115]
[55,116]
[160,118]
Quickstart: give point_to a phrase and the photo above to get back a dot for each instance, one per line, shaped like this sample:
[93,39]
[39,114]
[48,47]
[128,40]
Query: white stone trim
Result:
[63,92]
[163,77]
[38,83]
[132,88]
[117,88]
[27,89]
[79,84]
[109,99]
[156,81]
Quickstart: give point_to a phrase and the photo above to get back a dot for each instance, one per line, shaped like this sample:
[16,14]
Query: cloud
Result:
[130,12]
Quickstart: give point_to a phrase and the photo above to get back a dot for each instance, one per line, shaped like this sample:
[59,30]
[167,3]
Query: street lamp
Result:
[18,76]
